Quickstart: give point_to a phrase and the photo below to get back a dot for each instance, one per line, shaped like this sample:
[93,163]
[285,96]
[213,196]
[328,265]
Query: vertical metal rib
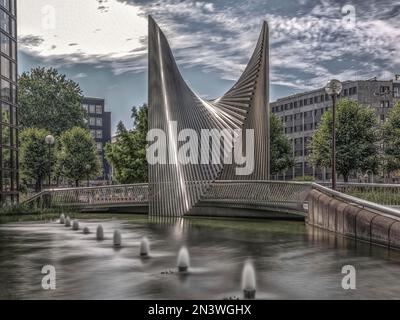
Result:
[175,188]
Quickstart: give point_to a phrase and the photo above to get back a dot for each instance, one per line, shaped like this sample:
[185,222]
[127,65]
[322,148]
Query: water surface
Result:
[292,261]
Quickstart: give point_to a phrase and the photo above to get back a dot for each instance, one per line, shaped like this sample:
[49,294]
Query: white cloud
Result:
[80,75]
[306,49]
[83,28]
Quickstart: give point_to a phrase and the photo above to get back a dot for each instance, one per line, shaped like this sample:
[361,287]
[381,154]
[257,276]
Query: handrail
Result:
[98,187]
[350,199]
[359,184]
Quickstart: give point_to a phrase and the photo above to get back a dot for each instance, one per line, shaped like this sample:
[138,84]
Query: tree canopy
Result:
[34,156]
[281,151]
[356,139]
[78,158]
[48,100]
[128,154]
[391,141]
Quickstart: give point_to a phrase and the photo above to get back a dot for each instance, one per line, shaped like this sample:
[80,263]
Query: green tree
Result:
[128,154]
[391,141]
[281,150]
[78,157]
[356,139]
[34,156]
[50,101]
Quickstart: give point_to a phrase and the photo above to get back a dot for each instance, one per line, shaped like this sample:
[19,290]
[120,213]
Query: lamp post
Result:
[334,88]
[88,167]
[49,140]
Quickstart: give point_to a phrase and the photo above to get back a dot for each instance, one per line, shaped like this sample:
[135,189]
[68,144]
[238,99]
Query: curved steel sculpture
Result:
[174,188]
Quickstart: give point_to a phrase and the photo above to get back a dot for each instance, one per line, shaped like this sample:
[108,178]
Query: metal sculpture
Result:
[174,188]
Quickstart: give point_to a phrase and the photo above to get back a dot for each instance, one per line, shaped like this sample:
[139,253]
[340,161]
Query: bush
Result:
[305,179]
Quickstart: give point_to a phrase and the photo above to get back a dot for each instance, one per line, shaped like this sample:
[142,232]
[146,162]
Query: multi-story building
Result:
[100,128]
[8,116]
[301,114]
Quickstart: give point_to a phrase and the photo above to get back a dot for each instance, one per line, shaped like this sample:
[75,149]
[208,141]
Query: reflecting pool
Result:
[291,260]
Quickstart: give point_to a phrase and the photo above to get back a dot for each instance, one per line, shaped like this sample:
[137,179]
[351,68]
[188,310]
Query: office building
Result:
[301,114]
[8,116]
[100,128]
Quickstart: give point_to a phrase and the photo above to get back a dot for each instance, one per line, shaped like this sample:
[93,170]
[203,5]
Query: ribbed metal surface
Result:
[175,188]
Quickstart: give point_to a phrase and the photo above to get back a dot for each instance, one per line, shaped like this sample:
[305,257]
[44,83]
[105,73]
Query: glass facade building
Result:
[100,128]
[8,115]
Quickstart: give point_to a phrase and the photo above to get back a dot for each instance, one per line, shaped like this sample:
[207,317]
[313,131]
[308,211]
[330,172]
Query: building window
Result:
[5,113]
[301,103]
[5,44]
[92,108]
[353,91]
[5,4]
[92,121]
[99,122]
[99,109]
[396,91]
[5,67]
[5,90]
[99,146]
[384,89]
[308,126]
[99,134]
[298,153]
[4,21]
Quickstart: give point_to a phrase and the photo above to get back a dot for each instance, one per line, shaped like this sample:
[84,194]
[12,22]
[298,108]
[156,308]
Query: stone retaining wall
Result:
[352,221]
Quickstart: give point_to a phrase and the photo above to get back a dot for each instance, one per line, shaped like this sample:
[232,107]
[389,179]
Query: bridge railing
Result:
[92,196]
[356,201]
[384,194]
[271,194]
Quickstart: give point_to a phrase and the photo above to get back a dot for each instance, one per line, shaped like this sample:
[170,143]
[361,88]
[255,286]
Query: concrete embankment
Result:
[353,220]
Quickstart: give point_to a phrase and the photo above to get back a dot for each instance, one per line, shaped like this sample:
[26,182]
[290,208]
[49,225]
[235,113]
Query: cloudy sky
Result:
[102,44]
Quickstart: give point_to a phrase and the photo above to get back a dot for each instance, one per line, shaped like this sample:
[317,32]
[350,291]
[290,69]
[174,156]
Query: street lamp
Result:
[334,88]
[88,167]
[49,141]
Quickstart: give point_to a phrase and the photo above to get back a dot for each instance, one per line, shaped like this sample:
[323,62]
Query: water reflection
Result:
[292,261]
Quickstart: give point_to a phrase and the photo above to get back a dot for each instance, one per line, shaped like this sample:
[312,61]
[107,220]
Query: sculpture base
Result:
[249,294]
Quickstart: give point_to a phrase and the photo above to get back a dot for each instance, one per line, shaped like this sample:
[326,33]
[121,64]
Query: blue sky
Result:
[102,44]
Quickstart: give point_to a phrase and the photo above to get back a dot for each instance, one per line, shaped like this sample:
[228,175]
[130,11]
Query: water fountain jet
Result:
[86,230]
[183,260]
[144,247]
[100,232]
[249,281]
[75,225]
[62,219]
[68,222]
[117,238]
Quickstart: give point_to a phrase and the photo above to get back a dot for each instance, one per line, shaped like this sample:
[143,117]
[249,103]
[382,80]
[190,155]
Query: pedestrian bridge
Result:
[250,198]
